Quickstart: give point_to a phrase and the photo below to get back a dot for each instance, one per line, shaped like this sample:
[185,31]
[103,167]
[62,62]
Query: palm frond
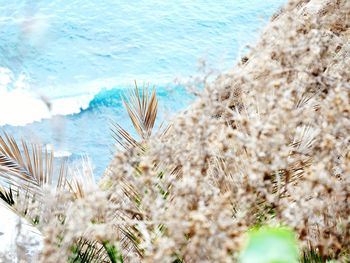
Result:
[25,170]
[124,139]
[30,168]
[7,196]
[142,109]
[80,179]
[62,175]
[86,251]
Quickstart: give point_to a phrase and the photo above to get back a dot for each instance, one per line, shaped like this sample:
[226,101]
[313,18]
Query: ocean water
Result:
[65,64]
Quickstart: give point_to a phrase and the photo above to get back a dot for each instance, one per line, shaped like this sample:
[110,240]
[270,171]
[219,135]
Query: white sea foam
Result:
[19,105]
[62,153]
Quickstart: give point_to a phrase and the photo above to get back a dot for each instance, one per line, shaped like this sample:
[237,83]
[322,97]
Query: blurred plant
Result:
[27,176]
[265,144]
[270,245]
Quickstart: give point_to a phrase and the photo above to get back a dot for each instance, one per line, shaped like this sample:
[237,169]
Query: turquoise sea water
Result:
[80,56]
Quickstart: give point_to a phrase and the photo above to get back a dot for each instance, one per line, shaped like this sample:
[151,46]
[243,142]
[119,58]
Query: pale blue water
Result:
[67,49]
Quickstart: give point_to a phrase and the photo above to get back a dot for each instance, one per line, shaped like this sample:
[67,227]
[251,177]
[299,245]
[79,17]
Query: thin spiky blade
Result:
[124,138]
[86,251]
[29,168]
[151,114]
[142,110]
[7,196]
[12,165]
[136,121]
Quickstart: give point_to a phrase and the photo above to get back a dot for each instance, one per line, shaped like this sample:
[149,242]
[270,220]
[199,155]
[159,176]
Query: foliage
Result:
[265,144]
[270,245]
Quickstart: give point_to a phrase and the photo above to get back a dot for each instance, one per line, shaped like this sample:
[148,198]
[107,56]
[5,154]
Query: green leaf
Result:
[112,251]
[270,245]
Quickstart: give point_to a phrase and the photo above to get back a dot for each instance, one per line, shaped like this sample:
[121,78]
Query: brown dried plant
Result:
[266,143]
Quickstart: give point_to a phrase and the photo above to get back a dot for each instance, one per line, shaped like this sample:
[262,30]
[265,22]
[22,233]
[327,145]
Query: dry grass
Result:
[265,144]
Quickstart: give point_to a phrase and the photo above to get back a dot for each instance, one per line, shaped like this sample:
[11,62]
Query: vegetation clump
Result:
[266,144]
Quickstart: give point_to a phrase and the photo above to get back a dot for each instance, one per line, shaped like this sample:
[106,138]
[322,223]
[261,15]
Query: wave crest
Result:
[19,105]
